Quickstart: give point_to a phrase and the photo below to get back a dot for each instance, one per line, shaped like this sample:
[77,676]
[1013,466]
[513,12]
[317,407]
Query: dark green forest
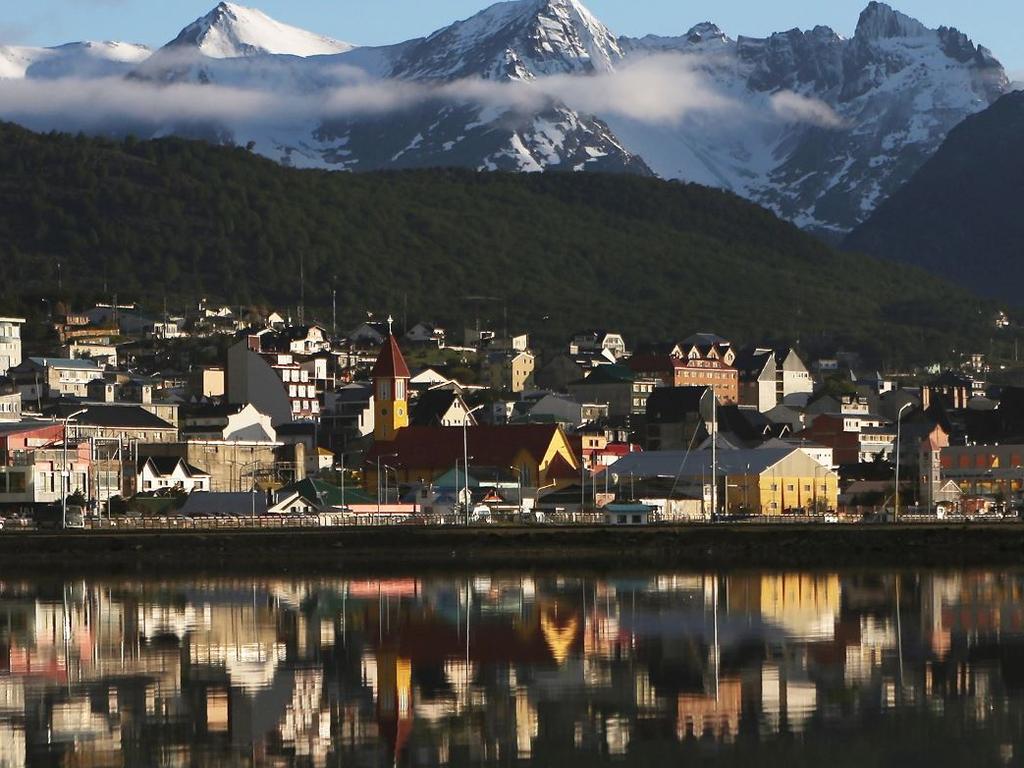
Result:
[173,220]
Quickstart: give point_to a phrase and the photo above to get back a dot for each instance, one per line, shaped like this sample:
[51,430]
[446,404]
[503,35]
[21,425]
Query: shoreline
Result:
[404,549]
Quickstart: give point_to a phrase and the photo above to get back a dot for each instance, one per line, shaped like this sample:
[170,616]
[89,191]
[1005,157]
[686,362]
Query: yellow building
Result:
[507,371]
[391,391]
[761,481]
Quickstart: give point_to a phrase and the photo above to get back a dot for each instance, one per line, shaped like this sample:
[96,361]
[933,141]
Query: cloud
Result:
[796,108]
[659,90]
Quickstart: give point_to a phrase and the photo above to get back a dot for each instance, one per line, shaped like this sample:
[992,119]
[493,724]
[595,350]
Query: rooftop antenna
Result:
[302,288]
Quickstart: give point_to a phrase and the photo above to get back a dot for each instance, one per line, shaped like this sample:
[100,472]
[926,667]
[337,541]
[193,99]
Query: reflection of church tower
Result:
[390,391]
[394,700]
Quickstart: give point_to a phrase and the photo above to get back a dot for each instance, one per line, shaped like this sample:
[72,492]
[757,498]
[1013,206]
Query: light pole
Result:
[465,454]
[386,456]
[899,434]
[65,476]
[519,479]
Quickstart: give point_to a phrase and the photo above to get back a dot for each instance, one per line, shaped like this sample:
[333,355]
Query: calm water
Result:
[794,669]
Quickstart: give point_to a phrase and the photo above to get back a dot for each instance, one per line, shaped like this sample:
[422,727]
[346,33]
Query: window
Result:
[622,519]
[636,519]
[790,488]
[400,389]
[384,389]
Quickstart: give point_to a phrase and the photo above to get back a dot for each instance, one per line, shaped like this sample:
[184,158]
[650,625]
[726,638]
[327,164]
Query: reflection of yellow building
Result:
[806,605]
[718,715]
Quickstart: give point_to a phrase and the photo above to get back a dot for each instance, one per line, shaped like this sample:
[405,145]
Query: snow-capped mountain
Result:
[508,43]
[895,90]
[84,59]
[230,31]
[819,127]
[520,40]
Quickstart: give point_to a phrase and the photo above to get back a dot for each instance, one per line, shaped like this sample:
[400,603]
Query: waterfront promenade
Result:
[397,548]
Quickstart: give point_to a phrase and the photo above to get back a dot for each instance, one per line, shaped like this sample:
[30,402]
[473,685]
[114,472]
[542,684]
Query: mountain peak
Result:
[704,32]
[519,39]
[233,31]
[879,21]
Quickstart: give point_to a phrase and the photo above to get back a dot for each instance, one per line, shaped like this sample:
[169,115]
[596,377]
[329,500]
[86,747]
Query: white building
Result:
[156,473]
[10,342]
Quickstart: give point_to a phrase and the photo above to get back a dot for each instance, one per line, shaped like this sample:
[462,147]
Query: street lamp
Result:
[899,435]
[385,456]
[64,474]
[465,453]
[344,469]
[519,479]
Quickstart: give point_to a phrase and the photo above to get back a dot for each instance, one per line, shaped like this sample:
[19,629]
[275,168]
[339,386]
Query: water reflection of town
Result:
[484,669]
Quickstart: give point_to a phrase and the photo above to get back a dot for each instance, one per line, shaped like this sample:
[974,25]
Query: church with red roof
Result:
[540,453]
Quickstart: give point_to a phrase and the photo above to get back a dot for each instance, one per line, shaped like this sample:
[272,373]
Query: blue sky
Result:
[998,24]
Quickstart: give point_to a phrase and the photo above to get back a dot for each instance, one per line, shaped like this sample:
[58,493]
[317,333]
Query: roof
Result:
[432,406]
[319,493]
[743,461]
[748,423]
[206,504]
[608,374]
[752,361]
[655,362]
[705,339]
[19,427]
[951,379]
[437,448]
[63,362]
[667,405]
[128,416]
[390,363]
[165,465]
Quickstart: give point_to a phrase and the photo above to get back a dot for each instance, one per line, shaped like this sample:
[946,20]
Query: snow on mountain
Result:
[511,42]
[233,31]
[518,40]
[896,87]
[821,128]
[84,59]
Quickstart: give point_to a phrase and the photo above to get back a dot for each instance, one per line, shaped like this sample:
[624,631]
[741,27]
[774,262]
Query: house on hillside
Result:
[679,418]
[507,371]
[156,473]
[369,334]
[10,343]
[621,389]
[41,378]
[598,340]
[426,333]
[441,408]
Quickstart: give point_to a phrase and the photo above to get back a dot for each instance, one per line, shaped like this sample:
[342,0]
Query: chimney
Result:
[146,394]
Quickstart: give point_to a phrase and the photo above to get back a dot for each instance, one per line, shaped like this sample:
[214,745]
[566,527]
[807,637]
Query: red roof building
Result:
[541,453]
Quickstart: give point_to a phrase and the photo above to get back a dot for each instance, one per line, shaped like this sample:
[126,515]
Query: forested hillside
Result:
[176,220]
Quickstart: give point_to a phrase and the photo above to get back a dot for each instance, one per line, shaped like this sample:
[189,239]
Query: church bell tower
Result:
[390,390]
